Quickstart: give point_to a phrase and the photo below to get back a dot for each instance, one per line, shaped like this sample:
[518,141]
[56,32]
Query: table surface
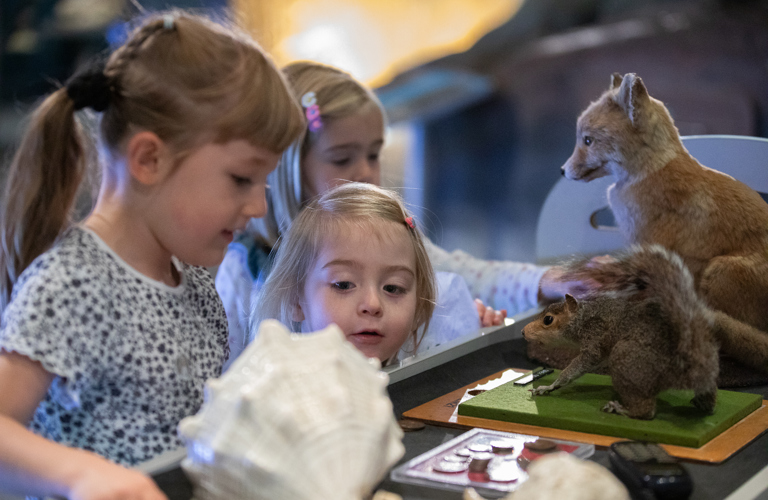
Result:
[710,481]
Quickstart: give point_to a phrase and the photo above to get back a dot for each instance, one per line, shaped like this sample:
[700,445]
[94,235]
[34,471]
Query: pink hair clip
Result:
[409,221]
[311,111]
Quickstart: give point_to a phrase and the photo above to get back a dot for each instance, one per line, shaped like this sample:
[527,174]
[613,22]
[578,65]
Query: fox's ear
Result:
[615,81]
[570,303]
[632,97]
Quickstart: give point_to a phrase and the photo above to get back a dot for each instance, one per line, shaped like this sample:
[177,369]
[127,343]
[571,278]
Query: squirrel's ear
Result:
[616,79]
[570,303]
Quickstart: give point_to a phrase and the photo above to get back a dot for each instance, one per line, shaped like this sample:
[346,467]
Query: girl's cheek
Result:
[181,216]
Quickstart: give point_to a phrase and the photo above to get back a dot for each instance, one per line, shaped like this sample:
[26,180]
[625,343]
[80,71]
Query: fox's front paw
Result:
[542,389]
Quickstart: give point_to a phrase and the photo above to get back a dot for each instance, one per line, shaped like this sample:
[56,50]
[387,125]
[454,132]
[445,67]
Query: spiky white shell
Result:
[296,416]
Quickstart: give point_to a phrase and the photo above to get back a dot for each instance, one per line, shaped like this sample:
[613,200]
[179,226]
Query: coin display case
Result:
[491,462]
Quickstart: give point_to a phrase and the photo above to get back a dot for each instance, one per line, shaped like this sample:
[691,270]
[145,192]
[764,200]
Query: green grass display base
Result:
[577,407]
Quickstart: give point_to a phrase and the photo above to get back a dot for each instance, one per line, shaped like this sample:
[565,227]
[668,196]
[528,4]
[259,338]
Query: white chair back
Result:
[576,219]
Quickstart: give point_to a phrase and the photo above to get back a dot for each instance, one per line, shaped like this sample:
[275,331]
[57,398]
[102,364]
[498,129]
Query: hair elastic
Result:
[168,22]
[311,111]
[89,87]
[410,222]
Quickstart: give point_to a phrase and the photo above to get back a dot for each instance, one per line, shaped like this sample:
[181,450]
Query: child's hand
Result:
[104,480]
[489,316]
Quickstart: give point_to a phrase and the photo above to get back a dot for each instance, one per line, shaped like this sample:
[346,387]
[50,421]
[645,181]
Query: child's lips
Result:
[366,337]
[228,235]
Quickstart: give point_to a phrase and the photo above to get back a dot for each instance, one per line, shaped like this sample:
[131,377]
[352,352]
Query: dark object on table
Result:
[174,483]
[647,467]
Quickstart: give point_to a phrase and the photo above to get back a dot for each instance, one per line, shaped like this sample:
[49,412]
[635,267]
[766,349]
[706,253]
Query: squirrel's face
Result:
[547,328]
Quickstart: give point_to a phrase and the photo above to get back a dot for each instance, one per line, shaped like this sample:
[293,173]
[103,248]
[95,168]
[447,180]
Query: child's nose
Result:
[256,205]
[371,304]
[366,171]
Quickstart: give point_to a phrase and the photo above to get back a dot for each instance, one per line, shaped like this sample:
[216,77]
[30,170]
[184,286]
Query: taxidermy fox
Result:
[651,329]
[662,195]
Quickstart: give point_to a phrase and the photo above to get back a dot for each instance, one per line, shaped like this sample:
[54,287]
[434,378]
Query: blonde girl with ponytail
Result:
[111,325]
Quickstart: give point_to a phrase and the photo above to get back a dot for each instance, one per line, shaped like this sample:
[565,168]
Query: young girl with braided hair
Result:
[111,326]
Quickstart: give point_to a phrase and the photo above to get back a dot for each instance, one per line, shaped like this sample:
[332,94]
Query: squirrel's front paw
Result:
[542,389]
[615,407]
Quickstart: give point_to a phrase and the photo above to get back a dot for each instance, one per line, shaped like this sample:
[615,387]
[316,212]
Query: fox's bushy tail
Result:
[741,341]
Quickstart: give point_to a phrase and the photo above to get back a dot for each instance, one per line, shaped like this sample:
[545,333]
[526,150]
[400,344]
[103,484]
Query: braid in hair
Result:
[123,55]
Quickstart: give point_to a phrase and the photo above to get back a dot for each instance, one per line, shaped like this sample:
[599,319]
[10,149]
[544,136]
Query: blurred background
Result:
[482,95]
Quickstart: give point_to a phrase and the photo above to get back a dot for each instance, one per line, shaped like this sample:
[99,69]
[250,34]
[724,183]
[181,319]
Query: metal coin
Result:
[409,425]
[455,458]
[505,473]
[480,461]
[541,445]
[464,452]
[503,446]
[450,467]
[480,448]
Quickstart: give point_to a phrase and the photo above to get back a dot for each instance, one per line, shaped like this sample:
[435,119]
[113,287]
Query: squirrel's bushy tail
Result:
[653,273]
[640,272]
[644,272]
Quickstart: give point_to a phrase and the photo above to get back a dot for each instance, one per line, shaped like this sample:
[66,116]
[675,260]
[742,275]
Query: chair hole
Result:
[603,220]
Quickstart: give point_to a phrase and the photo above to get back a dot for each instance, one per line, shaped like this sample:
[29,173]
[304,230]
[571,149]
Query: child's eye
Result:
[373,157]
[394,289]
[342,285]
[588,140]
[341,162]
[241,181]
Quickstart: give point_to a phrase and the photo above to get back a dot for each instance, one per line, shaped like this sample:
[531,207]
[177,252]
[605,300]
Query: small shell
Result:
[561,476]
[296,416]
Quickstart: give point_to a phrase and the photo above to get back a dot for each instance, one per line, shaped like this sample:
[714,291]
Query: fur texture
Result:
[662,195]
[651,328]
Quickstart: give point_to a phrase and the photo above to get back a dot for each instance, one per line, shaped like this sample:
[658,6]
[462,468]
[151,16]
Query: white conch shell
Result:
[296,416]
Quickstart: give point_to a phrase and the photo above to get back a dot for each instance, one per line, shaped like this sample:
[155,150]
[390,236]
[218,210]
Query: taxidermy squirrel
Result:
[647,323]
[662,195]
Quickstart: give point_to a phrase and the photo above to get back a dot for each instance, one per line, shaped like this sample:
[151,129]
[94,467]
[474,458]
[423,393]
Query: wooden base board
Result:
[442,411]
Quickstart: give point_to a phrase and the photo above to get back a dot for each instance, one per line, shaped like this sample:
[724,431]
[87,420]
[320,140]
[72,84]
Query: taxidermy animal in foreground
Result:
[662,195]
[654,333]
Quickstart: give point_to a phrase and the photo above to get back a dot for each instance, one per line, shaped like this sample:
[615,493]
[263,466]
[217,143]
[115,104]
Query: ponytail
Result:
[43,181]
